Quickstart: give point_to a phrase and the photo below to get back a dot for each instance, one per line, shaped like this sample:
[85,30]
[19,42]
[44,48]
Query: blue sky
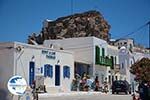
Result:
[19,18]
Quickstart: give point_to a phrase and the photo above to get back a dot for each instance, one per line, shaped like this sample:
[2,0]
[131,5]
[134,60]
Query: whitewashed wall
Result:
[82,47]
[6,65]
[113,51]
[101,70]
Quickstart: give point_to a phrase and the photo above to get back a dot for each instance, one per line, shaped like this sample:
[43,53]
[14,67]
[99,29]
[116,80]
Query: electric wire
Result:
[134,32]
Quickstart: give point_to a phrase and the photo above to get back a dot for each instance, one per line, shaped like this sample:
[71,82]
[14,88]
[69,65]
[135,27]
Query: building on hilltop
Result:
[129,44]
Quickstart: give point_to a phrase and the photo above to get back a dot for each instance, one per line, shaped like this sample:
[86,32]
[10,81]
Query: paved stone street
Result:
[88,97]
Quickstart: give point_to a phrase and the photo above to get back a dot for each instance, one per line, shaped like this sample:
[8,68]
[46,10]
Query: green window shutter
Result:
[97,55]
[112,62]
[103,52]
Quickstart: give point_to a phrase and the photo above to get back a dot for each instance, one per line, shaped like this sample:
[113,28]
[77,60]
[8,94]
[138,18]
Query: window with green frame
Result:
[103,52]
[97,54]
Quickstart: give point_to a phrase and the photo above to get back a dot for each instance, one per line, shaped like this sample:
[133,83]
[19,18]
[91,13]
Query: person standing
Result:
[97,85]
[106,86]
[35,94]
[143,91]
[74,85]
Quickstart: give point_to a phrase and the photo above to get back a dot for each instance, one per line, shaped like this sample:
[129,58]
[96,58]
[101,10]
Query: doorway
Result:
[31,72]
[57,75]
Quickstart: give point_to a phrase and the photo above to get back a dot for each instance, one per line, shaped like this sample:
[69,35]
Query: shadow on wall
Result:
[3,94]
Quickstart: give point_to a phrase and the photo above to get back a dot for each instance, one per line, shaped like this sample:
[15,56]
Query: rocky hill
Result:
[85,24]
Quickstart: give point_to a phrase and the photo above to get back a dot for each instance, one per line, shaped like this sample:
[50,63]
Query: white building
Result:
[128,55]
[113,53]
[126,59]
[90,53]
[56,66]
[127,42]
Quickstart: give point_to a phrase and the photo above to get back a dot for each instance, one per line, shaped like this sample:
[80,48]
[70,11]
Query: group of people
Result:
[84,83]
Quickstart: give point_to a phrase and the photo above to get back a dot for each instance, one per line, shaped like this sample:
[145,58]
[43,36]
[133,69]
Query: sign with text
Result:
[49,54]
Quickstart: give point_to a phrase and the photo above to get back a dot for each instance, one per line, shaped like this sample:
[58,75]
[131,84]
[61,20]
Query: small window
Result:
[125,43]
[48,70]
[66,71]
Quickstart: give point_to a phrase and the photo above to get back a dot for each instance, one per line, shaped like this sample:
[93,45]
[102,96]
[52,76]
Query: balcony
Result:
[104,61]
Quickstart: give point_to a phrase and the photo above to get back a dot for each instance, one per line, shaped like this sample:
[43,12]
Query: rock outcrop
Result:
[85,24]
